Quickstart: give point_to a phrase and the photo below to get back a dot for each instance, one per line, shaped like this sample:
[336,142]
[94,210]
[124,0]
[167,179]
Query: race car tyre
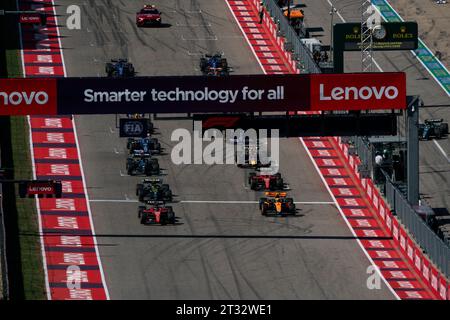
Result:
[167,195]
[150,126]
[264,210]
[250,177]
[139,188]
[261,203]
[290,205]
[444,128]
[224,64]
[279,184]
[203,64]
[143,218]
[140,210]
[254,186]
[109,69]
[170,215]
[438,132]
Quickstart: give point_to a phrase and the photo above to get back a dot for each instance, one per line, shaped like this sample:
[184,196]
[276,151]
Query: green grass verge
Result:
[30,248]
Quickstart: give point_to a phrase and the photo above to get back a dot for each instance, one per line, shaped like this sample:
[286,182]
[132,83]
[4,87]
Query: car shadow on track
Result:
[162,25]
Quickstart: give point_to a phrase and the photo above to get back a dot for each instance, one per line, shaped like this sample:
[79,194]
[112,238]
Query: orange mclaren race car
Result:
[277,203]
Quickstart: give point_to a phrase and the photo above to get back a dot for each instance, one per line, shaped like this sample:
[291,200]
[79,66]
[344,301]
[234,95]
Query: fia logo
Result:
[133,128]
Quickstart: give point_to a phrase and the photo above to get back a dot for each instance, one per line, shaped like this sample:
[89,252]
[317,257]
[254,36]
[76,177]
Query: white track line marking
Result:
[192,25]
[441,150]
[126,200]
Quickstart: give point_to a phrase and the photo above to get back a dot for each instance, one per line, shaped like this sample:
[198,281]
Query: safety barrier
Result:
[292,42]
[401,220]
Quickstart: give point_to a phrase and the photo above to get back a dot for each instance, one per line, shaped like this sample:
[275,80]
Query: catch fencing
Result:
[436,249]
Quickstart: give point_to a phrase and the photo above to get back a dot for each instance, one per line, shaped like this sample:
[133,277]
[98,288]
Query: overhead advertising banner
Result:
[187,94]
[388,36]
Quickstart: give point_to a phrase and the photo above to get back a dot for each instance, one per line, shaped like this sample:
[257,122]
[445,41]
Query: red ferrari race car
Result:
[270,182]
[156,212]
[148,15]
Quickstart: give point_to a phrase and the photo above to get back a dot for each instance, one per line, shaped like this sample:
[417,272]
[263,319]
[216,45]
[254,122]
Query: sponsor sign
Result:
[28,97]
[369,91]
[387,36]
[133,128]
[41,188]
[30,18]
[188,94]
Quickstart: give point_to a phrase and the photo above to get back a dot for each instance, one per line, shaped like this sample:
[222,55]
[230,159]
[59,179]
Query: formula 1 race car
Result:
[271,182]
[277,203]
[147,145]
[252,159]
[156,212]
[120,68]
[148,15]
[433,128]
[214,65]
[142,164]
[153,190]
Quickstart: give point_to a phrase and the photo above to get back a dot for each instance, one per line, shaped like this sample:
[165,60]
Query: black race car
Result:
[142,164]
[153,189]
[156,212]
[214,65]
[251,159]
[147,145]
[120,68]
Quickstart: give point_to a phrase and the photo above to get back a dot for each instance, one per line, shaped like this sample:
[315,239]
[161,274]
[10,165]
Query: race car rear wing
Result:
[275,194]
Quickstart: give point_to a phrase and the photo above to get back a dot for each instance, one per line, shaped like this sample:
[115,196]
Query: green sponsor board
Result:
[388,36]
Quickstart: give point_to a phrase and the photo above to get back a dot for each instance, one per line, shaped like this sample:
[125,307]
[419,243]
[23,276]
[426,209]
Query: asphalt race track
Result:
[434,163]
[218,250]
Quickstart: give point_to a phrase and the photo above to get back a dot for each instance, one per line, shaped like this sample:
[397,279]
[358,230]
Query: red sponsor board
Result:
[28,96]
[358,91]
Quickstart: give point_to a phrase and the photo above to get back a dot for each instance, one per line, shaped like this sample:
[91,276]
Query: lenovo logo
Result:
[17,98]
[354,93]
[28,96]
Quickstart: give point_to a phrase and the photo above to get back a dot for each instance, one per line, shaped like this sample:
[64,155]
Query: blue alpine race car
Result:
[214,65]
[120,68]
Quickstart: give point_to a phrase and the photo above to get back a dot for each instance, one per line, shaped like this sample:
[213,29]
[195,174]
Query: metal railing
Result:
[299,50]
[436,249]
